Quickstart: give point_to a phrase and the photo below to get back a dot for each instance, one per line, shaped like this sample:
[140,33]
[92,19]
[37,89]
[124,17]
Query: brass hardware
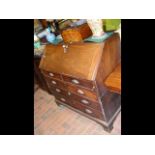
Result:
[84,101]
[62,99]
[69,93]
[80,91]
[65,48]
[54,82]
[88,111]
[51,74]
[75,81]
[58,90]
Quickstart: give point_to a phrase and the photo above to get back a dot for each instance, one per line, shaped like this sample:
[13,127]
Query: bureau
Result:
[75,75]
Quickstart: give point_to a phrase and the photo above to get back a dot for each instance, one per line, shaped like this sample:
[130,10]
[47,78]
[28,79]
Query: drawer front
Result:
[51,75]
[87,110]
[82,92]
[87,102]
[84,83]
[55,83]
[64,99]
[57,91]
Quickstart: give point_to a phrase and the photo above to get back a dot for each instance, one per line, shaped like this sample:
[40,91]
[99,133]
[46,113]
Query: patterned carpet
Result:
[50,119]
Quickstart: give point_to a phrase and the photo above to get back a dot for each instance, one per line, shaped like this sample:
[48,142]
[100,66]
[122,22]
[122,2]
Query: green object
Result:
[37,44]
[99,39]
[111,24]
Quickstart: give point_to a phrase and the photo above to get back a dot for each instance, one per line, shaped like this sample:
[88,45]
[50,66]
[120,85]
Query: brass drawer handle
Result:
[51,74]
[54,82]
[75,81]
[85,101]
[69,93]
[80,91]
[62,99]
[58,90]
[88,111]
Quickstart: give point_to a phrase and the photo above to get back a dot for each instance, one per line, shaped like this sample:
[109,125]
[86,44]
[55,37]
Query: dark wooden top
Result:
[113,82]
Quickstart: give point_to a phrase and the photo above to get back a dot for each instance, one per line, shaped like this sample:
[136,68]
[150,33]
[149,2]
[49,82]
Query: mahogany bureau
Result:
[75,75]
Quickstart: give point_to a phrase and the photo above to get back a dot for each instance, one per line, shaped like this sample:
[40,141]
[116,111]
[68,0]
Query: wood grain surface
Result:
[113,82]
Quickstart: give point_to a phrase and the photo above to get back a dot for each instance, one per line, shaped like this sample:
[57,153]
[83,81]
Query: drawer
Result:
[87,102]
[51,75]
[87,110]
[81,82]
[55,83]
[64,99]
[58,91]
[82,92]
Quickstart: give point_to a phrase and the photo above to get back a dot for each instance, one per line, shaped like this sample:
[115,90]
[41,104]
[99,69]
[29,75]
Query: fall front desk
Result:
[76,75]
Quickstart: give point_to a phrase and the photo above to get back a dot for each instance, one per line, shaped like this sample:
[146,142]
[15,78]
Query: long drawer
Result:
[89,111]
[86,101]
[82,92]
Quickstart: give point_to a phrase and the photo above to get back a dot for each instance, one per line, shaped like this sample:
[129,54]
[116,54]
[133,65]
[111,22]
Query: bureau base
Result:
[108,126]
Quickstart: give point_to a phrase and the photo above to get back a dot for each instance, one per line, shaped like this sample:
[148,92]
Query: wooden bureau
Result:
[75,76]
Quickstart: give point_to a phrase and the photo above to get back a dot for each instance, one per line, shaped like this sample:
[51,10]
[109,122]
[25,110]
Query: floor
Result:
[49,119]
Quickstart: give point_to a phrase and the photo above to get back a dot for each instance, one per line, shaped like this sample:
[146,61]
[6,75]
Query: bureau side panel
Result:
[111,57]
